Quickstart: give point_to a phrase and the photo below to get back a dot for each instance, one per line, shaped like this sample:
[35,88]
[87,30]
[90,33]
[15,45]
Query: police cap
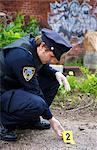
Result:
[55,42]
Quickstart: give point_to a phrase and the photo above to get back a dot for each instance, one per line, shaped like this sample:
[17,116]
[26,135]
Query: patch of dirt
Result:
[83,123]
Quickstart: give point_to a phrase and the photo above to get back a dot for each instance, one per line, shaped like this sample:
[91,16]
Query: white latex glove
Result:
[62,79]
[57,127]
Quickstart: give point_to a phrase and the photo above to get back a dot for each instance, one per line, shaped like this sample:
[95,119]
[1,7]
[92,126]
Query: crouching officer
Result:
[29,84]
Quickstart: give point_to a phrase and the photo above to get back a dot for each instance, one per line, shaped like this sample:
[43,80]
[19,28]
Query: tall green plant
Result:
[16,30]
[32,26]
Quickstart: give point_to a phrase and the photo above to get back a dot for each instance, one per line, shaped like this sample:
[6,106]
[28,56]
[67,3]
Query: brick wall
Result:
[37,8]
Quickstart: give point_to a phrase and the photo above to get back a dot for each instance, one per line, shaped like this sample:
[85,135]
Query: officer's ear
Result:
[42,44]
[40,48]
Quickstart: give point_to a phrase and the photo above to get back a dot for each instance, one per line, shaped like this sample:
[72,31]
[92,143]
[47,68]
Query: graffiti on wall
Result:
[72,19]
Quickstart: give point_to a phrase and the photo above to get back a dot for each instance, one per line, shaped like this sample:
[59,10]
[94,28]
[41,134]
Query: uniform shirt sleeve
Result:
[47,114]
[46,70]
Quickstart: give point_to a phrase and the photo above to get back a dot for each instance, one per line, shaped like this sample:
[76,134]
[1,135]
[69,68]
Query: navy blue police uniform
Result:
[27,86]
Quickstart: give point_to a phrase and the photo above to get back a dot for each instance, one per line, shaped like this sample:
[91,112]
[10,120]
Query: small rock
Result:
[81,128]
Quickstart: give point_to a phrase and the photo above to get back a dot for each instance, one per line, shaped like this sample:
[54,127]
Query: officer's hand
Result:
[62,79]
[57,127]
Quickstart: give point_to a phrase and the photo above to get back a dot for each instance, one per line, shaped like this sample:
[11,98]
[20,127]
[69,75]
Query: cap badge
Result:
[52,48]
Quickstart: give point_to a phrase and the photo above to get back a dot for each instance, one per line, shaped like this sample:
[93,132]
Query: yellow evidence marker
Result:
[68,137]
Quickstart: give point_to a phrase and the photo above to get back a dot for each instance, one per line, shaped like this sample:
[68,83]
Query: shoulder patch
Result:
[28,73]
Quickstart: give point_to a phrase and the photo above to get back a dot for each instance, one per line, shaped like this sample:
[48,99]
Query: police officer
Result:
[29,84]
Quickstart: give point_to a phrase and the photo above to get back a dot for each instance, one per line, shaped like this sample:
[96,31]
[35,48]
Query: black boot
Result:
[35,124]
[7,135]
[40,125]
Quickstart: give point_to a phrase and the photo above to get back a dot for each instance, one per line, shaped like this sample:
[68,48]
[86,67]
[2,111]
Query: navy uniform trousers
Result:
[19,106]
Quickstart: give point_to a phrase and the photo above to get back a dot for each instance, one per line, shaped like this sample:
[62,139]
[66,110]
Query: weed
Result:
[86,85]
[17,29]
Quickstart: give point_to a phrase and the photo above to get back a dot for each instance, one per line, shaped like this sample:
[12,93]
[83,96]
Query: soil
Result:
[83,123]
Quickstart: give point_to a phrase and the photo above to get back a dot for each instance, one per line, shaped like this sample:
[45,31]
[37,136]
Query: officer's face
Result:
[45,54]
